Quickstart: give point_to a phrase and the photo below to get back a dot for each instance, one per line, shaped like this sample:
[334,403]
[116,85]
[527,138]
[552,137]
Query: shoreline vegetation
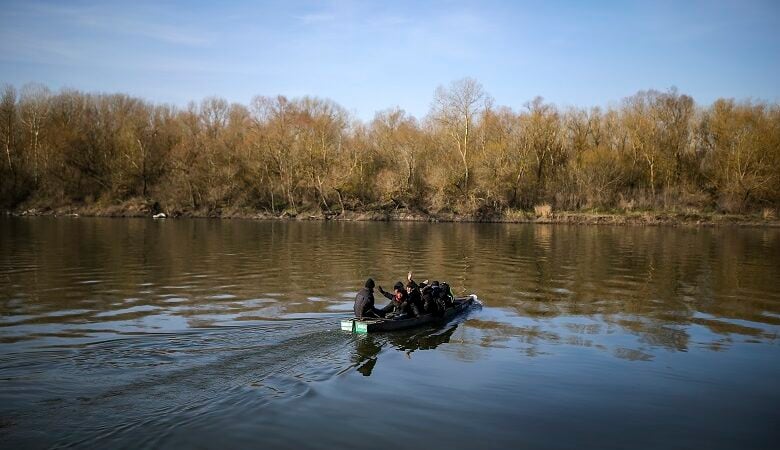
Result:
[654,158]
[544,215]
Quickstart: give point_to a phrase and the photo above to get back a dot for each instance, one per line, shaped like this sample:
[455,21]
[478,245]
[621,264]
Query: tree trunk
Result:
[652,181]
[322,194]
[8,140]
[143,168]
[192,194]
[8,155]
[410,174]
[465,155]
[539,175]
[35,156]
[341,202]
[291,198]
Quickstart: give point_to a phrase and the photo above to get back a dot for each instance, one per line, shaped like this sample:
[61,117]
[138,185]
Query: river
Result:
[135,333]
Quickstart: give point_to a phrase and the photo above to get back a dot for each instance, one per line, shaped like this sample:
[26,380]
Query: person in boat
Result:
[429,302]
[399,305]
[446,295]
[440,297]
[364,302]
[436,294]
[415,297]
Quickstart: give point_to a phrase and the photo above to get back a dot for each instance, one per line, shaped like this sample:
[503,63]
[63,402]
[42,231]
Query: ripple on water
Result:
[221,296]
[131,310]
[176,332]
[340,307]
[67,312]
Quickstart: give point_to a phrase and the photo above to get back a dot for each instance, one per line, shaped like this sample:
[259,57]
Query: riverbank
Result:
[767,218]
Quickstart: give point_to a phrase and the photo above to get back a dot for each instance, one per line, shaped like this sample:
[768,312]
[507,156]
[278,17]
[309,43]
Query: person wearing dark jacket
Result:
[415,297]
[364,302]
[398,303]
[429,303]
[446,295]
[438,295]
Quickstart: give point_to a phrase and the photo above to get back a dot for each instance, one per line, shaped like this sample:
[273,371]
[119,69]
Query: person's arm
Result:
[388,295]
[409,278]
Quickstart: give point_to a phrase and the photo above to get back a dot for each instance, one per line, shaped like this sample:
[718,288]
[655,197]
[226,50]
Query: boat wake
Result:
[148,386]
[143,390]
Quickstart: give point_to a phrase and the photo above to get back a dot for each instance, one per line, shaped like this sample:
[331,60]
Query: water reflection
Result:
[368,346]
[174,330]
[669,287]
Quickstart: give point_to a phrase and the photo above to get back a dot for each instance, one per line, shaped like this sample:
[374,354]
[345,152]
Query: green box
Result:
[361,327]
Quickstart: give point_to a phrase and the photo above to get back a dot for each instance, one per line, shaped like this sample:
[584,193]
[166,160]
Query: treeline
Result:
[654,151]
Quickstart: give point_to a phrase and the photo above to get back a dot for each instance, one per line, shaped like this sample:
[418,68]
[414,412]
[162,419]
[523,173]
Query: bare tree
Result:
[34,109]
[674,114]
[542,131]
[8,122]
[455,109]
[641,130]
[466,157]
[741,141]
[397,136]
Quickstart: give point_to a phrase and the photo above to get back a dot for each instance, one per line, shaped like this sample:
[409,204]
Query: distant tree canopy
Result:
[655,150]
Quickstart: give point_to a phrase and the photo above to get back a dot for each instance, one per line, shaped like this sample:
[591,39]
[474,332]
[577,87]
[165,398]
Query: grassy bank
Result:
[544,215]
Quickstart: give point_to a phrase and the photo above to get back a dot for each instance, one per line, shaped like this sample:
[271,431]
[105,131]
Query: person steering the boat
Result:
[364,302]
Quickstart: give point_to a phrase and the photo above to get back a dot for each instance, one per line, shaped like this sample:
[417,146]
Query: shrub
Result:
[544,210]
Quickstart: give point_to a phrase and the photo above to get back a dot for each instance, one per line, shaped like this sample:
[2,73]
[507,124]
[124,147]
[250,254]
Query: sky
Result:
[370,55]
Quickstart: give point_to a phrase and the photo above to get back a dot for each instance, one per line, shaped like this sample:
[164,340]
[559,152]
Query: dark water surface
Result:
[130,333]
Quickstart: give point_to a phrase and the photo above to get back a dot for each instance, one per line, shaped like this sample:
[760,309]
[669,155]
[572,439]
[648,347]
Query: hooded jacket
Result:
[364,302]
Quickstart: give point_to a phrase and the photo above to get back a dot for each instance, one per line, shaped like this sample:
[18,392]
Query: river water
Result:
[134,333]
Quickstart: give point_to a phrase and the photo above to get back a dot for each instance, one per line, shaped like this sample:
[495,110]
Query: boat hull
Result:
[364,325]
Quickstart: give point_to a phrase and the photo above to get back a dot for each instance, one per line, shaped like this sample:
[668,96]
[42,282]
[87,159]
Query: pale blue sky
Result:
[369,56]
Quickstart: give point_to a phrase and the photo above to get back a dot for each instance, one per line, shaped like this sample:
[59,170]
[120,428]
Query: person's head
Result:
[370,283]
[399,287]
[435,284]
